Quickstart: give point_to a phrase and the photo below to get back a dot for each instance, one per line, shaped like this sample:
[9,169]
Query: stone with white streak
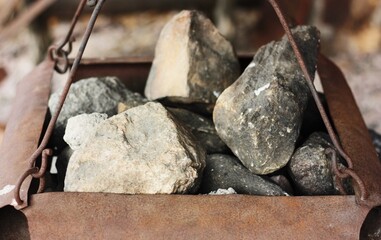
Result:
[140,151]
[260,115]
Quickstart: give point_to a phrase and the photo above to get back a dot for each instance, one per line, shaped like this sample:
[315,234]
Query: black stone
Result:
[312,120]
[61,165]
[202,128]
[224,171]
[310,167]
[260,115]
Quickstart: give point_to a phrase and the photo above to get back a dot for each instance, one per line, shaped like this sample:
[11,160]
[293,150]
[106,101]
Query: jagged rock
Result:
[202,128]
[91,95]
[193,62]
[224,171]
[310,167]
[142,150]
[259,116]
[80,127]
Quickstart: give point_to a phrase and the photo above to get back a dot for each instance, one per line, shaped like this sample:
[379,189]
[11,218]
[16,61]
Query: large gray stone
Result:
[91,95]
[193,62]
[224,172]
[142,150]
[202,128]
[80,127]
[310,167]
[259,116]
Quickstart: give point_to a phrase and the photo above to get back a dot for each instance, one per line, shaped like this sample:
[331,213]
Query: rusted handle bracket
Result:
[362,188]
[353,133]
[34,171]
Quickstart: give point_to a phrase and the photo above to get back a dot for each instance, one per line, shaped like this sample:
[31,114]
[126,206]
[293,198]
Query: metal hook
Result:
[41,148]
[344,172]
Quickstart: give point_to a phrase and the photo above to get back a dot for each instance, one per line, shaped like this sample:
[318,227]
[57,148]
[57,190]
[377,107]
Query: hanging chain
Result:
[57,52]
[33,170]
[343,172]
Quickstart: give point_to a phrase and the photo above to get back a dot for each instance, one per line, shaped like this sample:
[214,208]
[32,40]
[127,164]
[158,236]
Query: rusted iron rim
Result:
[341,173]
[120,216]
[42,147]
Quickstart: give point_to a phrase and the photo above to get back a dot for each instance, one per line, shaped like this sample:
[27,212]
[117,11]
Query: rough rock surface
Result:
[202,128]
[91,95]
[310,167]
[142,150]
[80,127]
[193,62]
[259,116]
[224,171]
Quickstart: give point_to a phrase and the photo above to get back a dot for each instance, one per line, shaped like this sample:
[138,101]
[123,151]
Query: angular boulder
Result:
[140,151]
[100,95]
[193,62]
[259,116]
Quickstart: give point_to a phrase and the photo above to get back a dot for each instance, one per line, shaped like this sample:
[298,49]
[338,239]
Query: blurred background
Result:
[350,35]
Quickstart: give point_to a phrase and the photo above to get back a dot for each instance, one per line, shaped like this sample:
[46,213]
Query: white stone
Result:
[140,151]
[223,191]
[81,127]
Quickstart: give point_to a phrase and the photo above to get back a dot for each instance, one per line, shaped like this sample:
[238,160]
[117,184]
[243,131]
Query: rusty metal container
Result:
[26,214]
[60,215]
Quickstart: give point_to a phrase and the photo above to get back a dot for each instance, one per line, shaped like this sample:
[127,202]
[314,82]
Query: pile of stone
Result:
[201,127]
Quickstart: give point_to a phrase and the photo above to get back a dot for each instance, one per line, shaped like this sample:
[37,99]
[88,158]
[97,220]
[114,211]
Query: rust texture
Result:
[36,172]
[93,215]
[113,216]
[352,131]
[328,70]
[24,129]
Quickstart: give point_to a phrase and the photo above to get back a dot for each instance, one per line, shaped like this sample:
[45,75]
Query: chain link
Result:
[55,53]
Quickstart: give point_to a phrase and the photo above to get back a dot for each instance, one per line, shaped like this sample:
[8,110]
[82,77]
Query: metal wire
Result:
[319,104]
[35,171]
